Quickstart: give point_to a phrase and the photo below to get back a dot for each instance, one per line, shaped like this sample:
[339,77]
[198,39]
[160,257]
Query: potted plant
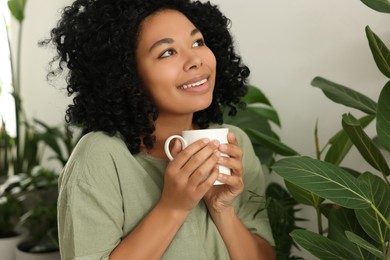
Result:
[40,221]
[355,204]
[10,211]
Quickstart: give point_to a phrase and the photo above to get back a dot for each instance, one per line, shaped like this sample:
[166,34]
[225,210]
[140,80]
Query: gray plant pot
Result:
[22,255]
[8,246]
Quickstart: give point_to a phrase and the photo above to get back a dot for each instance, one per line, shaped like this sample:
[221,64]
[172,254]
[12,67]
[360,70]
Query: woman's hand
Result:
[190,174]
[220,197]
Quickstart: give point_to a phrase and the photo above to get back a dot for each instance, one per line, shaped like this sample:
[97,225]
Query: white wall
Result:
[285,43]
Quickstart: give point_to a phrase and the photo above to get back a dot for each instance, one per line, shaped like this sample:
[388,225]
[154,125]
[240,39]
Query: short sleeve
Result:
[250,206]
[90,210]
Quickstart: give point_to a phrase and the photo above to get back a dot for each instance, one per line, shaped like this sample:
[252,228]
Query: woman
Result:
[141,71]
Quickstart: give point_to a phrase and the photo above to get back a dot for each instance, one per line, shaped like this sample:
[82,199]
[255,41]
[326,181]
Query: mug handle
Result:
[168,141]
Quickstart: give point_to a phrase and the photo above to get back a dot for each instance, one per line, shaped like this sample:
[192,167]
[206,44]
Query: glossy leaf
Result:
[272,143]
[320,246]
[324,179]
[365,245]
[383,117]
[341,144]
[345,96]
[16,8]
[378,5]
[371,222]
[303,196]
[247,118]
[380,52]
[255,95]
[341,220]
[269,114]
[364,144]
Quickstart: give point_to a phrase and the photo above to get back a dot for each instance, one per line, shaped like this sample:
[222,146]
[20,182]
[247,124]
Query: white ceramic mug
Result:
[189,136]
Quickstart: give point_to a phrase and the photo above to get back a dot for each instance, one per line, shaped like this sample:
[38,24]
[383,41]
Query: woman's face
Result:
[176,67]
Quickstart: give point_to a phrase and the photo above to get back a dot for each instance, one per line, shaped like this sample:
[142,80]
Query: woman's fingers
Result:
[194,158]
[234,152]
[203,172]
[232,149]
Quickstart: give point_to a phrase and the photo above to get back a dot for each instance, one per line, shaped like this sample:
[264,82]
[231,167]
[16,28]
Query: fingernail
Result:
[205,140]
[216,142]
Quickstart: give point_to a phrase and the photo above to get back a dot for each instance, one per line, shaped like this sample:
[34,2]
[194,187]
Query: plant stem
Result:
[17,99]
[16,89]
[316,142]
[380,215]
[319,220]
[18,57]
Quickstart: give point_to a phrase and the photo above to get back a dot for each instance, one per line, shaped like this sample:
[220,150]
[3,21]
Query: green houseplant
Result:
[256,119]
[356,204]
[33,207]
[40,188]
[41,218]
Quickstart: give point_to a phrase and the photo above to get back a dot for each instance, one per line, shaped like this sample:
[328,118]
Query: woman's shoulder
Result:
[98,148]
[97,142]
[94,159]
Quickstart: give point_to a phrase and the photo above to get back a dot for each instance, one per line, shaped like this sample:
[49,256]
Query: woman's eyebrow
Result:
[160,42]
[170,40]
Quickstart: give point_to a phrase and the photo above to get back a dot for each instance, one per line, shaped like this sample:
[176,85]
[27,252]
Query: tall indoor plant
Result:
[358,214]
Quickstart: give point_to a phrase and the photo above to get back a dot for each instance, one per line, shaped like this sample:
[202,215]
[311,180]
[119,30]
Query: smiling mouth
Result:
[195,84]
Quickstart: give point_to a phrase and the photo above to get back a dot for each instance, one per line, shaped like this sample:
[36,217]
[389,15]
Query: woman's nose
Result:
[193,61]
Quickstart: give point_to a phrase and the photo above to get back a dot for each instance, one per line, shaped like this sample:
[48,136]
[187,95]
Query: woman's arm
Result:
[152,236]
[240,242]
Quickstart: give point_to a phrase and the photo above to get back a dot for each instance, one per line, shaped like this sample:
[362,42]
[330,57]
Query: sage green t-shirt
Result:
[105,192]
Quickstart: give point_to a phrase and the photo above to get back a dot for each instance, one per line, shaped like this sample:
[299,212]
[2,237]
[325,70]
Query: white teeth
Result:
[194,84]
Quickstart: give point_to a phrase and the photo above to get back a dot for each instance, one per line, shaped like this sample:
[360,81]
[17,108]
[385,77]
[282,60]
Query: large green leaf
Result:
[341,144]
[269,114]
[17,9]
[364,144]
[320,246]
[270,142]
[370,220]
[365,245]
[345,96]
[324,179]
[380,52]
[255,95]
[383,117]
[378,5]
[303,196]
[341,220]
[247,118]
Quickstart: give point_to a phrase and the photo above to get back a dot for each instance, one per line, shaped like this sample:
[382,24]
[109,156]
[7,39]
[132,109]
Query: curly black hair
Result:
[96,42]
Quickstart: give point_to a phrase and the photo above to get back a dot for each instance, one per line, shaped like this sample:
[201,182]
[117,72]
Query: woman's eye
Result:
[167,53]
[197,43]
